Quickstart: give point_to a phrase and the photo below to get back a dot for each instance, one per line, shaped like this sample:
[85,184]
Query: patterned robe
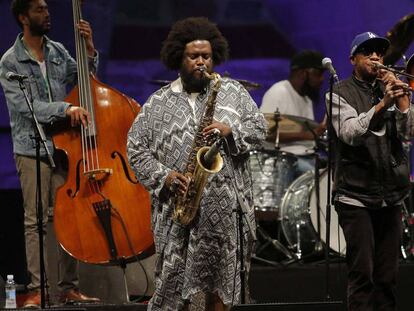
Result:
[202,257]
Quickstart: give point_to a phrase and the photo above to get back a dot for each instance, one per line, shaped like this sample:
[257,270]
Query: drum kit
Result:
[295,206]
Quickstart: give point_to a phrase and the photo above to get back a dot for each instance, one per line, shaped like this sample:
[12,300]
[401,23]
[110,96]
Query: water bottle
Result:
[10,292]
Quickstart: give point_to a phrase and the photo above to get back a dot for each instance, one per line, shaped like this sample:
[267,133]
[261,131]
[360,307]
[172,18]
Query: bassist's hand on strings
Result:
[86,31]
[78,115]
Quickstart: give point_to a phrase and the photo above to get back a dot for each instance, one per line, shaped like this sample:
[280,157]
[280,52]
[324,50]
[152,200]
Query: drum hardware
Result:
[270,242]
[286,124]
[317,149]
[272,172]
[267,193]
[318,245]
[277,119]
[298,213]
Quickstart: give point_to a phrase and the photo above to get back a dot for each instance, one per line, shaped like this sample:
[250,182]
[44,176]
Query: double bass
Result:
[101,213]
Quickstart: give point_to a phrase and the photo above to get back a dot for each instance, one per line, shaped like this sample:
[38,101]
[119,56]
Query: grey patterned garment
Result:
[202,257]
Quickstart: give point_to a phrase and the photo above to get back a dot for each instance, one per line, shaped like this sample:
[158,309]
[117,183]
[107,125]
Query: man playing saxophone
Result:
[198,263]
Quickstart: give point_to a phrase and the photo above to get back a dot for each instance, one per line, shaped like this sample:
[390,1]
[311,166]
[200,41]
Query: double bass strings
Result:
[88,134]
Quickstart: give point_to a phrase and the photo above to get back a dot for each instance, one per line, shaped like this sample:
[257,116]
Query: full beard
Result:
[192,83]
[38,29]
[312,93]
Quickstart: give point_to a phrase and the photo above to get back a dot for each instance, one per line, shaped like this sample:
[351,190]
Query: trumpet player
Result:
[198,264]
[371,118]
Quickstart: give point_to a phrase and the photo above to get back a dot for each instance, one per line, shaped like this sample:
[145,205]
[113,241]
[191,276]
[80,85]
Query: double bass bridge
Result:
[98,174]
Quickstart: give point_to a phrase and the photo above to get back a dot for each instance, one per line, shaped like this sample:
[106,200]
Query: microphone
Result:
[327,64]
[210,155]
[11,76]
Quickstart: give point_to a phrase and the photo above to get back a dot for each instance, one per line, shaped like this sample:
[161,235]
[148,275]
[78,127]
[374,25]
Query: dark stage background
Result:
[263,34]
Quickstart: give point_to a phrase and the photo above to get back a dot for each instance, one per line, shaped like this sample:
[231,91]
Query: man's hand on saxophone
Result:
[218,128]
[177,182]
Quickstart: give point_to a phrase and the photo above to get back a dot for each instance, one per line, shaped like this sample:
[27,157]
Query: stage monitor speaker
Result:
[293,306]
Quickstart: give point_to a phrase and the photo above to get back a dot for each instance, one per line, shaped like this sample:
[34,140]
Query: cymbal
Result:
[400,36]
[249,85]
[160,82]
[288,124]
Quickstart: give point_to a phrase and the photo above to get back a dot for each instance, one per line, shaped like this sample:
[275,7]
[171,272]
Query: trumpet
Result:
[406,87]
[393,70]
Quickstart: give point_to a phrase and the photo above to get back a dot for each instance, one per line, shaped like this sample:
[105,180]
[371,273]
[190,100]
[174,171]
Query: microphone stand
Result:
[241,211]
[328,192]
[277,119]
[317,148]
[40,138]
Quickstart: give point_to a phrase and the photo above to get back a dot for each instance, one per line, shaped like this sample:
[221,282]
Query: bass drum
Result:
[298,214]
[272,172]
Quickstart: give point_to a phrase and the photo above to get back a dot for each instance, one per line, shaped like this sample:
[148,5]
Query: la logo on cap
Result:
[371,35]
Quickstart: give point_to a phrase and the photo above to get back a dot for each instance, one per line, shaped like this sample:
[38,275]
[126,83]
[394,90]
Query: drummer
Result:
[295,97]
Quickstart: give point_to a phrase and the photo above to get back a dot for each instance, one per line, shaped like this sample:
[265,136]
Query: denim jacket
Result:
[61,73]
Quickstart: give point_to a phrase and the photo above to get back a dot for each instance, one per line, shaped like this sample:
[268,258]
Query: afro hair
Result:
[188,30]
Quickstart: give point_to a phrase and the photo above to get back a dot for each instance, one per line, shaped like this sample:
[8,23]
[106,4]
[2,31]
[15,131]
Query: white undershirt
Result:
[177,87]
[287,100]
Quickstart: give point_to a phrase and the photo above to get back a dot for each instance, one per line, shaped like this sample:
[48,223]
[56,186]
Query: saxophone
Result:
[187,204]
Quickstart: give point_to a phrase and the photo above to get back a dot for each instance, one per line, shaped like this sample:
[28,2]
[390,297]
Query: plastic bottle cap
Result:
[10,277]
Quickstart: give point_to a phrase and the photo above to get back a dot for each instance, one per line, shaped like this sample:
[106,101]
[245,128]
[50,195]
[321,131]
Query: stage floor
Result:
[289,286]
[294,283]
[307,283]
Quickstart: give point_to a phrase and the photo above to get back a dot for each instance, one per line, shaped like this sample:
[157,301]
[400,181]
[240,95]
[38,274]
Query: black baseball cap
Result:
[307,59]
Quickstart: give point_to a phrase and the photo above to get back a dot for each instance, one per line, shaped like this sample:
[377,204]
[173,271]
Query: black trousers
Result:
[373,240]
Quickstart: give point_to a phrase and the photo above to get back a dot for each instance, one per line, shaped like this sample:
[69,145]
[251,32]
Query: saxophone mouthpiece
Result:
[203,70]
